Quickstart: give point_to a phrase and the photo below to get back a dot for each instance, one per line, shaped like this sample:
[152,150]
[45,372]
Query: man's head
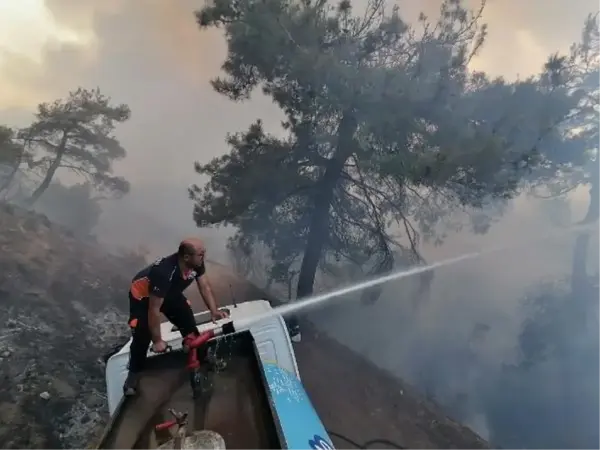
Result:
[191,252]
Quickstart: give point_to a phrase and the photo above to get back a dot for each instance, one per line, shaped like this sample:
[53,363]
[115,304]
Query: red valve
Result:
[165,425]
[180,419]
[192,342]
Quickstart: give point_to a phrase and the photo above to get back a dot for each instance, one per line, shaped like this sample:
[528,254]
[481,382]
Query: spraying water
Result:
[306,303]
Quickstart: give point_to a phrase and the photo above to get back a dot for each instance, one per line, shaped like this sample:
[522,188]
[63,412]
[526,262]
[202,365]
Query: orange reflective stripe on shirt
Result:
[140,288]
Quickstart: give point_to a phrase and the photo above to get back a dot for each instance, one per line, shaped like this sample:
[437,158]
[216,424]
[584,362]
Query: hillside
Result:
[63,308]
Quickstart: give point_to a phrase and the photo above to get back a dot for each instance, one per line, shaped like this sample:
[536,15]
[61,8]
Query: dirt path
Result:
[362,402]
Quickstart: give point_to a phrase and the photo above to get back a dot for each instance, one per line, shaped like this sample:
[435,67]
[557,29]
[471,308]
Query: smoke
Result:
[452,344]
[157,61]
[496,334]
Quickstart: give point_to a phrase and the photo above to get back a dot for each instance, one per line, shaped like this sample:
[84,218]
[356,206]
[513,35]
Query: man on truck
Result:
[158,289]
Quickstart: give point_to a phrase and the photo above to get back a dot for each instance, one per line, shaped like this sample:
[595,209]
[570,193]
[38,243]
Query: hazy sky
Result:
[151,55]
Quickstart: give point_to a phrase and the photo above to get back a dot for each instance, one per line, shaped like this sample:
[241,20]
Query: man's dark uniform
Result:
[164,279]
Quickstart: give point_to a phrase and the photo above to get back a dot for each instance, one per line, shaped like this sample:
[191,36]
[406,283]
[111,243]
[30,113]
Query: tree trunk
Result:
[290,285]
[60,150]
[319,226]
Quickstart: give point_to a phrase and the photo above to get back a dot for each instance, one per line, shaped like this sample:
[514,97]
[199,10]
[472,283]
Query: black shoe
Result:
[130,387]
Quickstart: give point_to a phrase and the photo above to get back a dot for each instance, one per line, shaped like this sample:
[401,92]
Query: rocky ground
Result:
[64,307]
[58,316]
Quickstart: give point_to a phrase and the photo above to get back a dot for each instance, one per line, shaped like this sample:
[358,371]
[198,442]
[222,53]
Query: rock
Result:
[45,395]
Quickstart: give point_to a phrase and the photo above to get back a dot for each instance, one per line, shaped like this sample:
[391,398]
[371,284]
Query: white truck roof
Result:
[270,334]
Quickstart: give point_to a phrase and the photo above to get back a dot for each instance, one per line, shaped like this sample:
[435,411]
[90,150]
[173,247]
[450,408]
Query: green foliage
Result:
[388,131]
[574,160]
[76,133]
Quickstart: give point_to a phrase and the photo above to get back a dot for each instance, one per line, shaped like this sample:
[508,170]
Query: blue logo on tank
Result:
[318,443]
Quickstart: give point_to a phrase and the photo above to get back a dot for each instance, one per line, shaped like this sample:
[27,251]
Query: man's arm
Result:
[159,285]
[206,293]
[154,317]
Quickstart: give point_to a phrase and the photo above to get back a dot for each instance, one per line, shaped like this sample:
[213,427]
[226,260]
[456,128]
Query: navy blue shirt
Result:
[163,278]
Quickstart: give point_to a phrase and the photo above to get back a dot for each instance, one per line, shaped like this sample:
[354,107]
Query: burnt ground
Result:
[64,305]
[364,403]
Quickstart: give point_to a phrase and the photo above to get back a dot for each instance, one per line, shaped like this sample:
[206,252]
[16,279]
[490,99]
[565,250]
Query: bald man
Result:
[159,288]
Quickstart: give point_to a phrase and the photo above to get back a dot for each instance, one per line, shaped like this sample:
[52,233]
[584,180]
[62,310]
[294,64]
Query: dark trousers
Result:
[177,310]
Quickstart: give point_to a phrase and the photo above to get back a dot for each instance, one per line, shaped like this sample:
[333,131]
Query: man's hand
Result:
[159,346]
[218,314]
[154,318]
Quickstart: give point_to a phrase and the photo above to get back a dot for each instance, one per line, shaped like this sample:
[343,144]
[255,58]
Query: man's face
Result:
[195,259]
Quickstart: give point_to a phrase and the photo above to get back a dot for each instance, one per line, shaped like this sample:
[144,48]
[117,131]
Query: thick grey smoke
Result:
[154,59]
